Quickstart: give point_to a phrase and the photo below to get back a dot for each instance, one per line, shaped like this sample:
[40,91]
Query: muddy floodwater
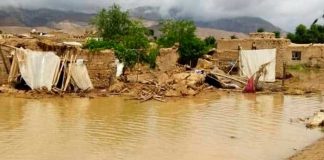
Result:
[231,126]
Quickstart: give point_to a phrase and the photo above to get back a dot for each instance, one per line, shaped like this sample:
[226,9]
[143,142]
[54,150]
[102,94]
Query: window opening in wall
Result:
[296,55]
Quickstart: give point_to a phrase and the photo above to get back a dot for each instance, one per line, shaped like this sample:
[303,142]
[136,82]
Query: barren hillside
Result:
[201,31]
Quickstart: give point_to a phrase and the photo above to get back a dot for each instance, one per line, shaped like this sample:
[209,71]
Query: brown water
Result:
[238,127]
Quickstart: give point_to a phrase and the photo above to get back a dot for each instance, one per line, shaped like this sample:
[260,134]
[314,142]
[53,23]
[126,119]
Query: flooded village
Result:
[130,88]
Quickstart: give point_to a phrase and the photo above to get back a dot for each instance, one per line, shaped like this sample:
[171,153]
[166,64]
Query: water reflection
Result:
[213,127]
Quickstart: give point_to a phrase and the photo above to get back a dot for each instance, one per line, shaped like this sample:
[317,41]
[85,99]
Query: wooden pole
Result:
[4,61]
[284,74]
[233,67]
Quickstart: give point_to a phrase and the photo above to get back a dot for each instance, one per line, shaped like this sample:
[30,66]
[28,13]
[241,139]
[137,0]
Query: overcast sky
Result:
[283,13]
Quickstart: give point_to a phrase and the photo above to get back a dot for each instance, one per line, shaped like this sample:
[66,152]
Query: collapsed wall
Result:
[101,67]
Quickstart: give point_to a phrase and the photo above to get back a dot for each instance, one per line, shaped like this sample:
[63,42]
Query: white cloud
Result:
[283,13]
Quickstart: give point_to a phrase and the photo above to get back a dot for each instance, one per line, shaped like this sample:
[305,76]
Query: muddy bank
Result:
[313,152]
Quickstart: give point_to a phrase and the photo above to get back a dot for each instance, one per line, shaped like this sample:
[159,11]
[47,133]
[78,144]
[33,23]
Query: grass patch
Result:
[298,67]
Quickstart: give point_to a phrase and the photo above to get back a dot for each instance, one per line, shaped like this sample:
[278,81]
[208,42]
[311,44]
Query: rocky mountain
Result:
[50,18]
[39,17]
[240,24]
[201,32]
[237,24]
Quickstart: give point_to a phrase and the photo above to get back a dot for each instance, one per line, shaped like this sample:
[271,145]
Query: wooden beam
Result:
[232,78]
[4,61]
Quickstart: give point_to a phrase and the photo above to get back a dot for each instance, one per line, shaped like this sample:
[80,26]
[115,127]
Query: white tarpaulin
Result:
[80,76]
[120,68]
[251,61]
[38,68]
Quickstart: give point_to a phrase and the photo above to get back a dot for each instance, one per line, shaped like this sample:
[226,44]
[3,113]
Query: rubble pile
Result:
[317,120]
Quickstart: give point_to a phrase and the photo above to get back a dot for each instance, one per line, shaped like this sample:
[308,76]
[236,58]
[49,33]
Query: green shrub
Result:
[298,67]
[96,45]
[151,57]
[150,32]
[210,41]
[128,56]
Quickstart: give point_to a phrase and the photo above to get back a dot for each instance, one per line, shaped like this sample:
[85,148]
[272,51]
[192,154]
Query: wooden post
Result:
[137,68]
[4,61]
[284,74]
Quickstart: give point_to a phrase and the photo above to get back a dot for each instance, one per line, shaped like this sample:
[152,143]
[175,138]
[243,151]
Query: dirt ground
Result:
[313,152]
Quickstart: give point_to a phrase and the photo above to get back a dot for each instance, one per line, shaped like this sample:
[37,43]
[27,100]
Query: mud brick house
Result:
[311,55]
[290,53]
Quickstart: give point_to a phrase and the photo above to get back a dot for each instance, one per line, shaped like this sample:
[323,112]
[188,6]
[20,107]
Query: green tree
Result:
[190,50]
[175,31]
[118,31]
[260,30]
[183,32]
[314,34]
[301,30]
[136,37]
[277,34]
[112,23]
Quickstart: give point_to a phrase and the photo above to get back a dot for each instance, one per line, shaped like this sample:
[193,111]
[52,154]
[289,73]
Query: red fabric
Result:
[249,88]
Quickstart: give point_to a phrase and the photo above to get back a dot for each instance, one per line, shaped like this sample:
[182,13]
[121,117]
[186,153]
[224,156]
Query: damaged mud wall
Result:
[265,35]
[4,64]
[3,73]
[31,44]
[225,58]
[101,67]
[167,59]
[227,49]
[60,49]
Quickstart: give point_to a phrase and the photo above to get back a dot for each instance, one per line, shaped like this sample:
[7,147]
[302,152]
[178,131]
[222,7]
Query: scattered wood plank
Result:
[231,78]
